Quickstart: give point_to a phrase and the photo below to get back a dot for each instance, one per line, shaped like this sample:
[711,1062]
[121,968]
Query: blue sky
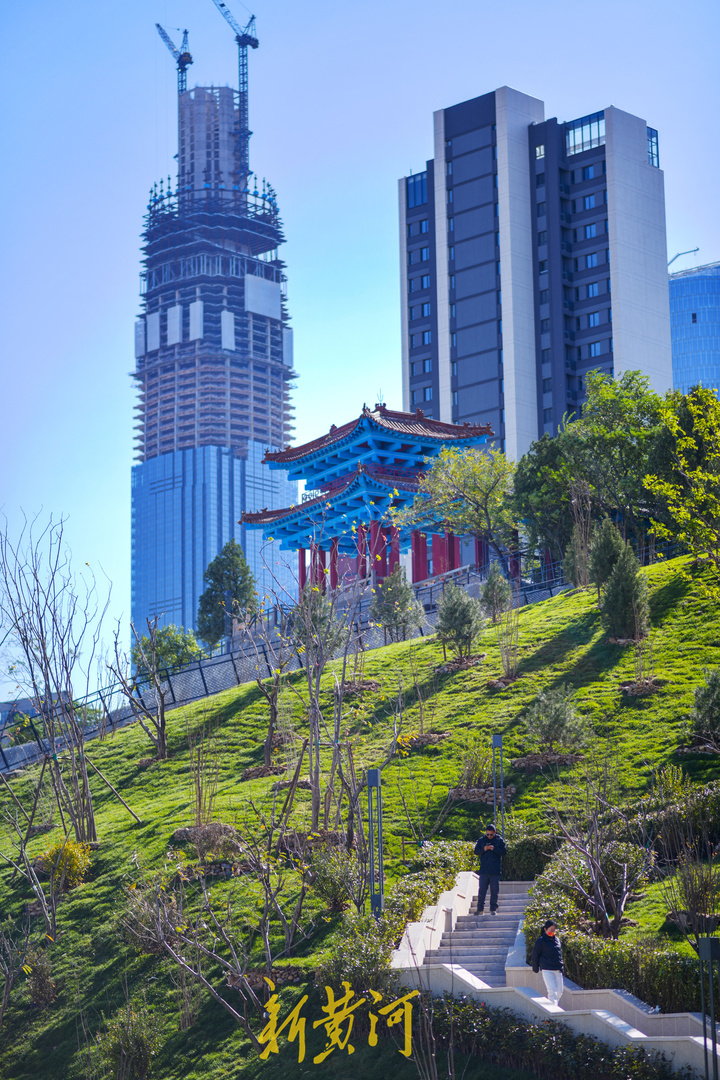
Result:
[341,102]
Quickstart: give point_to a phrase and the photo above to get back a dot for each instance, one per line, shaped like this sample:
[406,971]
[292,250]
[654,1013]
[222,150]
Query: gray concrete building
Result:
[531,252]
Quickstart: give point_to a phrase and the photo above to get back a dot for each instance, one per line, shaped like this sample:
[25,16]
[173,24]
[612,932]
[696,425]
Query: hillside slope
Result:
[561,642]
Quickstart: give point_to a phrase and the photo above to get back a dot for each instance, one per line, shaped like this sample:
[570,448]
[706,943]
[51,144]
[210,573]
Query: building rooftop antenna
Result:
[245,37]
[182,56]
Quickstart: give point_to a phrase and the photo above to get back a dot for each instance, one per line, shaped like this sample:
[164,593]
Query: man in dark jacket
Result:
[547,958]
[491,849]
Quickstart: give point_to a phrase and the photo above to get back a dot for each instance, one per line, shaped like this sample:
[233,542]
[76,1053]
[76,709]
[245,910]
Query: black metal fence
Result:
[22,742]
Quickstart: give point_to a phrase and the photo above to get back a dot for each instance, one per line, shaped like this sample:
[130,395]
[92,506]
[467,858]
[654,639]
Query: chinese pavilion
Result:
[356,476]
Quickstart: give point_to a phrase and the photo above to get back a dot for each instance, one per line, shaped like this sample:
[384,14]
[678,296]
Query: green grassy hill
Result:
[561,642]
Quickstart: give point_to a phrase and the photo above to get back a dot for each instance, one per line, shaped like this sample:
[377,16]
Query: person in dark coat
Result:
[491,849]
[547,959]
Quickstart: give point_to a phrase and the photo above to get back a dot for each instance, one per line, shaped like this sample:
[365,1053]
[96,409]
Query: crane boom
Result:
[245,37]
[182,56]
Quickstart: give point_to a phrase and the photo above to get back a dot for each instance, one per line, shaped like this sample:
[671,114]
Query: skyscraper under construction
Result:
[213,352]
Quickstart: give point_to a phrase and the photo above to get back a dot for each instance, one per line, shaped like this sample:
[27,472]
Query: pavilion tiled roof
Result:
[414,425]
[390,478]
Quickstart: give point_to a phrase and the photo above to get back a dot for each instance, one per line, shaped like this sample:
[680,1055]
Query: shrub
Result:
[553,721]
[67,861]
[496,593]
[40,981]
[459,620]
[548,1049]
[625,607]
[359,954]
[394,606]
[476,765]
[446,855]
[528,851]
[606,547]
[705,715]
[130,1041]
[659,976]
[335,875]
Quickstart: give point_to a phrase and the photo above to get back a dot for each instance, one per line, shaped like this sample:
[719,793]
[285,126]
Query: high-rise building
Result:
[695,327]
[214,361]
[532,251]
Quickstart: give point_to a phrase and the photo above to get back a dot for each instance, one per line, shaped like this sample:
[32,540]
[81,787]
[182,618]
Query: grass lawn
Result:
[561,642]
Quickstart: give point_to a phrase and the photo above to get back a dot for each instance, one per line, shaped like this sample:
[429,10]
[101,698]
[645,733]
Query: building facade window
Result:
[595,348]
[425,281]
[416,190]
[541,209]
[593,289]
[424,254]
[547,416]
[585,133]
[589,202]
[424,225]
[427,337]
[540,151]
[453,339]
[427,393]
[591,230]
[652,145]
[454,397]
[588,172]
[427,364]
[542,266]
[547,386]
[425,310]
[540,179]
[545,355]
[544,326]
[594,318]
[544,296]
[451,224]
[542,237]
[452,311]
[591,260]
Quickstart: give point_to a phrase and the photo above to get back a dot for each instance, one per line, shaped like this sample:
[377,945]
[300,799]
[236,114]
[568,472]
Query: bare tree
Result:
[692,886]
[53,623]
[508,635]
[204,768]
[14,947]
[274,651]
[147,690]
[602,871]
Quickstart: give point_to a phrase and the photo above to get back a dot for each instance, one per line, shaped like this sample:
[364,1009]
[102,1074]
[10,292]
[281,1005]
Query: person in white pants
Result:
[547,958]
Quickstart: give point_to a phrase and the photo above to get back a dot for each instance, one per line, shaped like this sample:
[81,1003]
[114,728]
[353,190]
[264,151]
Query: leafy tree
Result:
[612,446]
[625,608]
[705,715]
[692,490]
[575,563]
[541,495]
[228,571]
[496,593]
[469,491]
[605,549]
[175,647]
[394,606]
[460,620]
[553,721]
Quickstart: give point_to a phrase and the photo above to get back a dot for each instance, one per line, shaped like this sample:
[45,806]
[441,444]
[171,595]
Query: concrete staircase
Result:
[480,943]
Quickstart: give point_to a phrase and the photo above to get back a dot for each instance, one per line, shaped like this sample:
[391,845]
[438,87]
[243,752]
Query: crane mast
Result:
[182,56]
[245,38]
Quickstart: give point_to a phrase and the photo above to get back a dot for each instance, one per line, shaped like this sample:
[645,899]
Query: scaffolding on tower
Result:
[245,38]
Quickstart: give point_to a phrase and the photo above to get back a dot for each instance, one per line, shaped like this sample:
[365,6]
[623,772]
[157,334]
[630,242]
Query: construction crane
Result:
[244,36]
[182,56]
[690,252]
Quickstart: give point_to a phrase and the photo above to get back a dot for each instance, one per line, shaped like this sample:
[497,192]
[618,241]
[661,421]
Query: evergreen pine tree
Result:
[625,607]
[228,571]
[394,606]
[460,620]
[605,549]
[496,593]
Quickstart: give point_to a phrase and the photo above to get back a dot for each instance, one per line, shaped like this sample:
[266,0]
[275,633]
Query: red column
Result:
[418,542]
[360,560]
[334,564]
[317,558]
[378,553]
[453,550]
[482,554]
[439,555]
[302,571]
[393,542]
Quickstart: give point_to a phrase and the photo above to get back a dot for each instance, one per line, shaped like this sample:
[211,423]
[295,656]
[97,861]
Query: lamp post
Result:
[709,953]
[377,891]
[497,744]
